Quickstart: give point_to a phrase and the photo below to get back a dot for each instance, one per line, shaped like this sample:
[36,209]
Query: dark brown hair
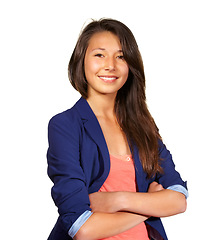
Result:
[130,105]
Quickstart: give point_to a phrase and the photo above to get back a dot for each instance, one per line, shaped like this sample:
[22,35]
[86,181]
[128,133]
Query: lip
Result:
[108,78]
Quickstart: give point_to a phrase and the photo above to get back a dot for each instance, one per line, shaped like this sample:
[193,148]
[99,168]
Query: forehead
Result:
[104,40]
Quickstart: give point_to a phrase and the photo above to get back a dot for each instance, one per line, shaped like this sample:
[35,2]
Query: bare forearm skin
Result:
[162,203]
[103,225]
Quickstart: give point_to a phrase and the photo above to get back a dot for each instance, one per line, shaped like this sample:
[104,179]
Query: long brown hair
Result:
[130,105]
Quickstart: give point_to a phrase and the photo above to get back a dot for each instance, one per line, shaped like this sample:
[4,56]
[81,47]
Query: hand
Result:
[107,202]
[155,187]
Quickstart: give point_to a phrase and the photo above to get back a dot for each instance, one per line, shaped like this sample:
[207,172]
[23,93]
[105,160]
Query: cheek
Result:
[125,71]
[91,67]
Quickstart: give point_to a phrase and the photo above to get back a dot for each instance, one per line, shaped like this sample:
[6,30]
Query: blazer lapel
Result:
[94,130]
[91,124]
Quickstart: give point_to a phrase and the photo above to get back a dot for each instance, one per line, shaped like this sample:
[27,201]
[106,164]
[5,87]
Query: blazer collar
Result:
[85,110]
[90,121]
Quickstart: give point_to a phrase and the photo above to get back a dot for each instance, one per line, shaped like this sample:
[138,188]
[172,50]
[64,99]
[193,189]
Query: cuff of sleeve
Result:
[78,223]
[179,188]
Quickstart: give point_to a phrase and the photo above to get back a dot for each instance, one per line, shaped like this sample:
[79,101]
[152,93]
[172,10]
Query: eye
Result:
[120,57]
[99,55]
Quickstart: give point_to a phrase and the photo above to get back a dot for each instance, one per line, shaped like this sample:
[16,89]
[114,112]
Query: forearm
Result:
[162,203]
[103,225]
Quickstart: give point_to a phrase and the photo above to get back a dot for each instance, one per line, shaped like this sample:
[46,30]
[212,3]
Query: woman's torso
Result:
[122,178]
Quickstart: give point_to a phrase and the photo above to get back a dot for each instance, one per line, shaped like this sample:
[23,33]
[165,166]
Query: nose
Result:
[110,64]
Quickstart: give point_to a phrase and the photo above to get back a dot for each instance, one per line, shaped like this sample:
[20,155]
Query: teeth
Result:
[108,78]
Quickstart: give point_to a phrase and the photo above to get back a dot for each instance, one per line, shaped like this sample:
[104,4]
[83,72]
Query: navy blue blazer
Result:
[79,163]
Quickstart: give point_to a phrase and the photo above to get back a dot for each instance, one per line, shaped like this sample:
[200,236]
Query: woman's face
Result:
[105,69]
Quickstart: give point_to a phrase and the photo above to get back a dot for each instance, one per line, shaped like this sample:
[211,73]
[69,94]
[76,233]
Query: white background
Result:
[37,39]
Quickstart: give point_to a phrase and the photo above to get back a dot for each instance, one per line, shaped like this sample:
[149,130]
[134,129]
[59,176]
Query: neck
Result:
[102,105]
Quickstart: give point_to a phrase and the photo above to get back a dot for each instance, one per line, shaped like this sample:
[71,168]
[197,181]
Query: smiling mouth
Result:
[108,79]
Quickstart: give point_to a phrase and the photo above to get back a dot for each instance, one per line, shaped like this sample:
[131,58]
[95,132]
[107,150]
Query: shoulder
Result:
[69,119]
[163,151]
[67,115]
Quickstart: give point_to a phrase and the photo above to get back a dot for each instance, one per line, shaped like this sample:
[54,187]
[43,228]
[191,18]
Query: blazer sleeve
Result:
[69,191]
[170,176]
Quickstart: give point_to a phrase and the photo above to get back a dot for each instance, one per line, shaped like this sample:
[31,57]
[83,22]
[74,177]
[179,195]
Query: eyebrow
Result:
[103,49]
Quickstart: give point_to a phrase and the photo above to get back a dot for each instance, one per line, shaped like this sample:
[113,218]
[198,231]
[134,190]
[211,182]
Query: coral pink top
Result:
[122,178]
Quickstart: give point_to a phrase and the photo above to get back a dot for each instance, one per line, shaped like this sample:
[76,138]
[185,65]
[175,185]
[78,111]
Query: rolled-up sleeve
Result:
[69,191]
[79,222]
[179,188]
[170,178]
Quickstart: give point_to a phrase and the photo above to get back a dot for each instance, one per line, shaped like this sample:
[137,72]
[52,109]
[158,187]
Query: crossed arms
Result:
[116,212]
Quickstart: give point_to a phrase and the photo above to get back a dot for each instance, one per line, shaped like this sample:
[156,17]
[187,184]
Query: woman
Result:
[113,177]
